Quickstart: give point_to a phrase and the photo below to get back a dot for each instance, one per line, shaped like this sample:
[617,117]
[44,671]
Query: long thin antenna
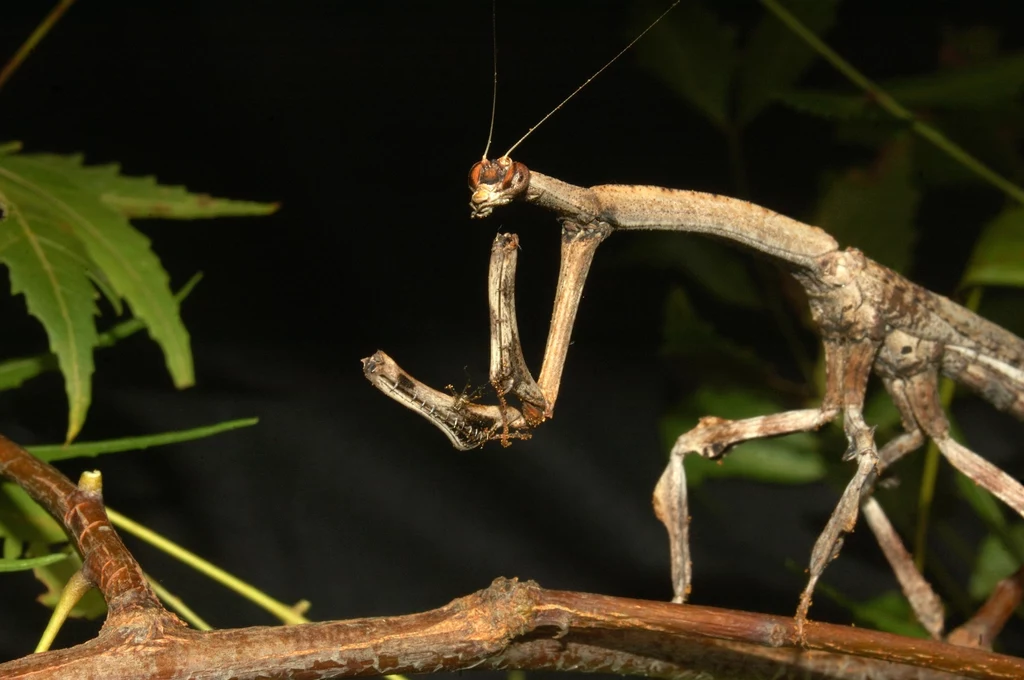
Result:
[587,81]
[494,94]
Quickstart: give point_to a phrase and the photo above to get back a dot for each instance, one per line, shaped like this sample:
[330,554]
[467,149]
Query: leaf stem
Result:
[34,39]
[53,452]
[178,605]
[279,609]
[886,101]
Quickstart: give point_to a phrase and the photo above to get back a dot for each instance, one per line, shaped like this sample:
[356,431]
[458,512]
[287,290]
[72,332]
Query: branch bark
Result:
[509,625]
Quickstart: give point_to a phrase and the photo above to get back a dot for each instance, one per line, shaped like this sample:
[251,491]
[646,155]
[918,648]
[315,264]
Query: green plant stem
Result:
[34,39]
[53,452]
[30,562]
[883,99]
[74,589]
[282,611]
[930,474]
[178,605]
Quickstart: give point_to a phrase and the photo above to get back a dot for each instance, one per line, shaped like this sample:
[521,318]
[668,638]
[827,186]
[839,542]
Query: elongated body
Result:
[869,317]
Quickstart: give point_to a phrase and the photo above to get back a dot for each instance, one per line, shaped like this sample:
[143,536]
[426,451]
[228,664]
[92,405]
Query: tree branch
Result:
[509,625]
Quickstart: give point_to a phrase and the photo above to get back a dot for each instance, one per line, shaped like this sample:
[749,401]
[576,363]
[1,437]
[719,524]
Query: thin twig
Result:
[34,39]
[887,102]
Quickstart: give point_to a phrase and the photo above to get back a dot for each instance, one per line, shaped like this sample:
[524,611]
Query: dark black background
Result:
[363,120]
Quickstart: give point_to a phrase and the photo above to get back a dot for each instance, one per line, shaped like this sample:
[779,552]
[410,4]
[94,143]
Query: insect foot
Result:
[467,425]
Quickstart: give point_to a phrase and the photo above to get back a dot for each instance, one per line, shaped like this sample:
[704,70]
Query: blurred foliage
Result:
[731,75]
[67,238]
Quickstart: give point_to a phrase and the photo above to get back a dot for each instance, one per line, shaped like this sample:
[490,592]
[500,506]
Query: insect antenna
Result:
[494,92]
[585,82]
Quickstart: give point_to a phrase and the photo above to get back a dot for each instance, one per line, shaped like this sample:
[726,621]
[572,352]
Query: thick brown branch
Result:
[106,562]
[508,625]
[520,625]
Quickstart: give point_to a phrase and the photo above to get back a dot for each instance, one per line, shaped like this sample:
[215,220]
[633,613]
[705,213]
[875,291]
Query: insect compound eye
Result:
[474,174]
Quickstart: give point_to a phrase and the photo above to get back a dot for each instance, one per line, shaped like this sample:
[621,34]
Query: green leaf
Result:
[831,106]
[880,412]
[14,372]
[49,266]
[68,225]
[793,459]
[994,562]
[775,58]
[982,502]
[55,576]
[92,449]
[686,334]
[890,611]
[694,54]
[717,267]
[22,518]
[26,563]
[112,243]
[873,208]
[976,87]
[998,258]
[143,197]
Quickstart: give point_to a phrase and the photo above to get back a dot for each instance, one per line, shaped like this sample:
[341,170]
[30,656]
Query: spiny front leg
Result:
[467,425]
[509,372]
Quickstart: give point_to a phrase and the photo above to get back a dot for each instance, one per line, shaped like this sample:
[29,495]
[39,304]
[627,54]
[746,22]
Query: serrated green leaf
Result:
[793,459]
[92,449]
[998,258]
[143,197]
[26,563]
[694,53]
[873,209]
[113,244]
[14,372]
[994,562]
[775,58]
[68,226]
[49,267]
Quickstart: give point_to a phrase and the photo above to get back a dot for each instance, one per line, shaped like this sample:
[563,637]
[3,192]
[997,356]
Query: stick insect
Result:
[869,319]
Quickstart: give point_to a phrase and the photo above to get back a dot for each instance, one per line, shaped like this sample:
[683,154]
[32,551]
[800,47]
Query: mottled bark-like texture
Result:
[509,625]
